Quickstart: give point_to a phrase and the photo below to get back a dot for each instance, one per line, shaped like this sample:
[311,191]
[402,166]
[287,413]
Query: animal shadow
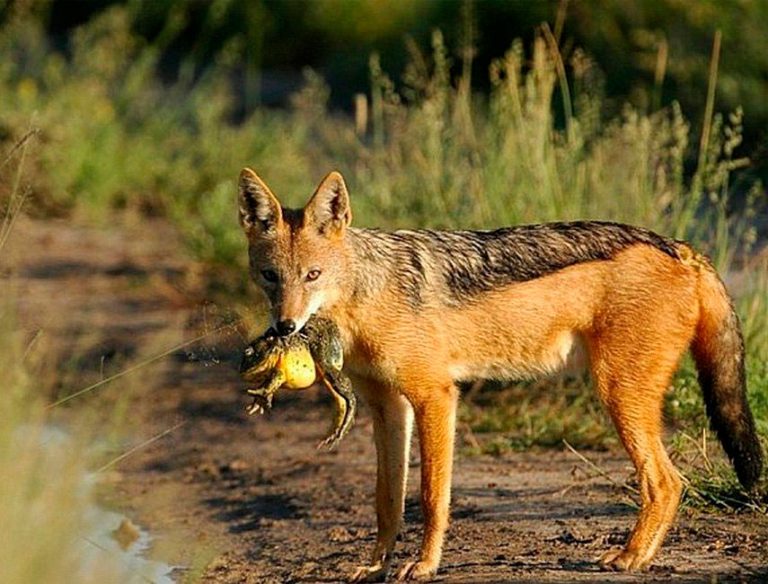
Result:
[250,513]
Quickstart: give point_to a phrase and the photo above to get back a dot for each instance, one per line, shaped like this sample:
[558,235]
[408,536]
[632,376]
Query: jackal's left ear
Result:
[329,208]
[260,211]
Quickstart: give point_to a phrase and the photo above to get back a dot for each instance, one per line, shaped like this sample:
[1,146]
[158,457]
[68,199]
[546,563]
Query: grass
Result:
[423,152]
[48,491]
[518,417]
[47,496]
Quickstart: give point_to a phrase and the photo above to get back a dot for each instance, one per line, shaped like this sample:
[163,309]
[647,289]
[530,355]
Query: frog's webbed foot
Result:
[346,405]
[262,396]
[332,441]
[261,402]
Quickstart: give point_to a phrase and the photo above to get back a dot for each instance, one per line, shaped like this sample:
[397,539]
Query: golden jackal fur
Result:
[421,310]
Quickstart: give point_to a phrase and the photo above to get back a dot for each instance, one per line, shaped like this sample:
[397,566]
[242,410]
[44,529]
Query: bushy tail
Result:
[718,349]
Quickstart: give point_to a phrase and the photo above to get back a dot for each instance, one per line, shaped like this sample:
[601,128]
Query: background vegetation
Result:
[52,532]
[608,112]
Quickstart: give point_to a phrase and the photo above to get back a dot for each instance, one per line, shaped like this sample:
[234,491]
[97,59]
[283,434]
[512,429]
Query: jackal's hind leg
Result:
[636,412]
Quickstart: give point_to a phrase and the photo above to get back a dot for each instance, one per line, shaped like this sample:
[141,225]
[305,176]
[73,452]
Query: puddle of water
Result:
[108,532]
[104,536]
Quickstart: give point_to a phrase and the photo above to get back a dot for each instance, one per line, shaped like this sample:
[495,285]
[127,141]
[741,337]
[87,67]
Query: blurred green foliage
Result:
[648,52]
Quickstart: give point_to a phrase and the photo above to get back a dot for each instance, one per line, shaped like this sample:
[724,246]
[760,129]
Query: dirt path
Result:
[238,499]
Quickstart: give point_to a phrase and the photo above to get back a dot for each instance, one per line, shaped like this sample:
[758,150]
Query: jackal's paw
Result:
[374,573]
[420,570]
[624,560]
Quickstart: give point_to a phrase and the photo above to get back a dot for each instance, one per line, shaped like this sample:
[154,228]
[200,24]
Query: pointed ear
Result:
[260,210]
[328,209]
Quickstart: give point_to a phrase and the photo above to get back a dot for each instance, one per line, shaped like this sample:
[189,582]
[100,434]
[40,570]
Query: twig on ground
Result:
[600,471]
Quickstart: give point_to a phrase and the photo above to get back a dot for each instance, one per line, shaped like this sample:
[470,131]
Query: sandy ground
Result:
[239,499]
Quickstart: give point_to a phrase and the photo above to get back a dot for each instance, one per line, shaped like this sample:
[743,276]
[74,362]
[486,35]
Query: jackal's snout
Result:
[296,256]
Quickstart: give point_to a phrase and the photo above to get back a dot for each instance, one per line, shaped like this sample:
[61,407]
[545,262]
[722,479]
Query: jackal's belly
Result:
[565,354]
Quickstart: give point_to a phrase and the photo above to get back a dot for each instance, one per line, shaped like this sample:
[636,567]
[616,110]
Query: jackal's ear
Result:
[260,210]
[329,208]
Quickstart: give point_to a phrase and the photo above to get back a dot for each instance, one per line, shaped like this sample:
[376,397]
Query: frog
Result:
[314,354]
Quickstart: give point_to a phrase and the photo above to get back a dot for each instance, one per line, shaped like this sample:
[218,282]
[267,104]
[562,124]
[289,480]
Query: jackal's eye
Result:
[313,275]
[269,275]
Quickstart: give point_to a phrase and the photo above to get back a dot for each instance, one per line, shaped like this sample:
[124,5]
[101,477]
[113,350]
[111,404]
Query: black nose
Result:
[285,327]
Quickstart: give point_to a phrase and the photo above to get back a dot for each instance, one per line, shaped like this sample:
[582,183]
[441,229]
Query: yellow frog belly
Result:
[298,367]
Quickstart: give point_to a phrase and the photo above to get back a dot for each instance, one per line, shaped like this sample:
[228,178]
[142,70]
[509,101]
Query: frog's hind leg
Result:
[262,396]
[340,388]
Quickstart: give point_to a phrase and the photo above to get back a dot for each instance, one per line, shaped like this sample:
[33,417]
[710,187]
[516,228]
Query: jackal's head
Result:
[297,257]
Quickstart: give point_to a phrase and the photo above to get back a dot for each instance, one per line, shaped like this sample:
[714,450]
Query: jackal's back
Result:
[459,265]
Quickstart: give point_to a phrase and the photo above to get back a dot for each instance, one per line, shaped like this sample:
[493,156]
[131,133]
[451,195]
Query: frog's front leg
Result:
[340,388]
[262,396]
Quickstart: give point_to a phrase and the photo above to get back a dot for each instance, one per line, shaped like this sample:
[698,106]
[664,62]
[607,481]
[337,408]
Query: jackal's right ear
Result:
[260,210]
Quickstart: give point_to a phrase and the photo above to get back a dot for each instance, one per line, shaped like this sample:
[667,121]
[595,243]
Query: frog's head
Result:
[261,356]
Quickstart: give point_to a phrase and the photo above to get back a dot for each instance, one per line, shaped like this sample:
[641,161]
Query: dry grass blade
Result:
[700,447]
[562,10]
[18,196]
[20,143]
[554,50]
[710,106]
[600,471]
[712,484]
[136,367]
[100,547]
[138,447]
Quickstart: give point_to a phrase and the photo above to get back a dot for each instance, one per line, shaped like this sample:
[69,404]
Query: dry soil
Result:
[238,499]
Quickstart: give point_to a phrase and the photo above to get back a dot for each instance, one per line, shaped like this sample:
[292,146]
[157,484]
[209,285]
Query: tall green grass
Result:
[425,151]
[431,153]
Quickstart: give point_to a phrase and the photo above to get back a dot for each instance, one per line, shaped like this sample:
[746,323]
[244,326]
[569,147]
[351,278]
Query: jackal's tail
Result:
[718,349]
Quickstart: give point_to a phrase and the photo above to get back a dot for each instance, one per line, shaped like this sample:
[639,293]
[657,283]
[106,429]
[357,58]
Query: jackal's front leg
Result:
[392,429]
[435,411]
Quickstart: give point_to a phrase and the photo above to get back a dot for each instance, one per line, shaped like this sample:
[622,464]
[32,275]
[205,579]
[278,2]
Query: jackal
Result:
[420,310]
